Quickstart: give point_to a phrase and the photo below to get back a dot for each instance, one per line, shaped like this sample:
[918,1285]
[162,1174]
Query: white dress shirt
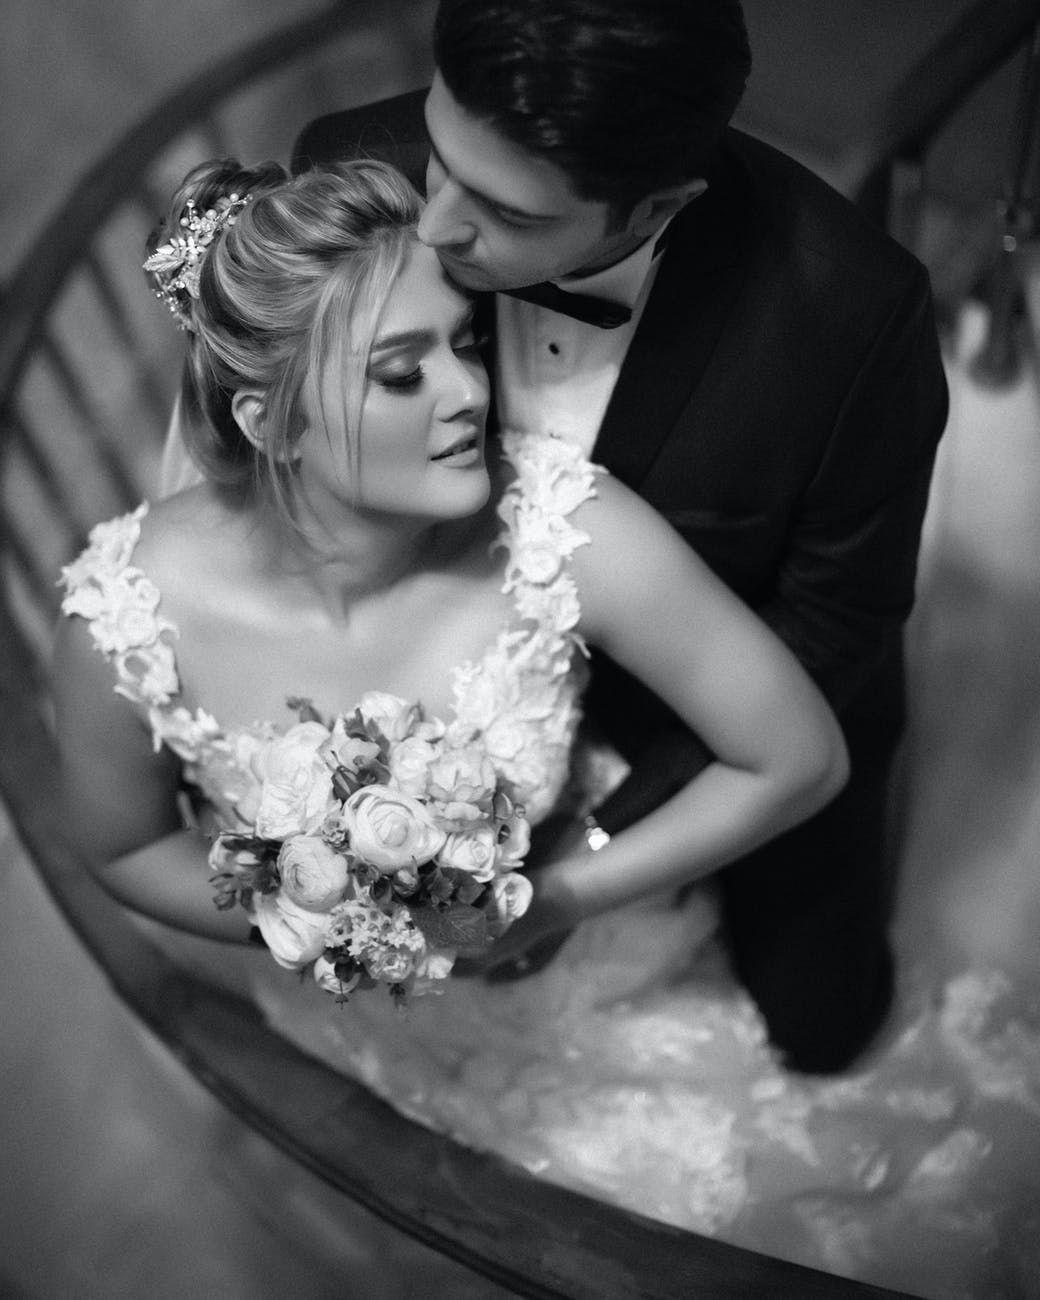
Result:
[556,375]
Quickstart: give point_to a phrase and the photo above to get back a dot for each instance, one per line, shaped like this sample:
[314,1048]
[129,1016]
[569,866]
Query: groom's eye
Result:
[517,220]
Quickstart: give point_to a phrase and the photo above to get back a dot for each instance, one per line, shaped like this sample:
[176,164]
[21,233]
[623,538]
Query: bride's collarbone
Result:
[243,647]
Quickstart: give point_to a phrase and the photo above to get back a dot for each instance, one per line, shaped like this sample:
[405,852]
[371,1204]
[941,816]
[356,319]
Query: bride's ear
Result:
[247,408]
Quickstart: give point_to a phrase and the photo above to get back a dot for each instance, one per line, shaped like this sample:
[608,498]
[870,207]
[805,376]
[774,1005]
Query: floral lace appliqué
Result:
[121,605]
[523,695]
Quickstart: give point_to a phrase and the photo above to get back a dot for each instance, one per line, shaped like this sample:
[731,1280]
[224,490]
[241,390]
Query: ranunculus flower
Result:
[389,829]
[470,851]
[326,978]
[313,874]
[464,776]
[512,895]
[294,935]
[410,763]
[394,717]
[297,782]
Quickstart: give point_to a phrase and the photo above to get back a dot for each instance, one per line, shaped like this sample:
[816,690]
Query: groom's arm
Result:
[845,584]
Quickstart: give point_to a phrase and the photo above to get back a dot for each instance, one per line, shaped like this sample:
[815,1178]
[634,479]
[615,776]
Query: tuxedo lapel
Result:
[695,288]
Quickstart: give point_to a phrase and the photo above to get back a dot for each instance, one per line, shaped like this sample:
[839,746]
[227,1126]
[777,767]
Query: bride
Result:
[355,532]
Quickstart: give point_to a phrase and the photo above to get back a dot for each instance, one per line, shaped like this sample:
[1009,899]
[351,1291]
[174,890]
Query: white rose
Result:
[313,875]
[512,895]
[470,851]
[326,978]
[394,717]
[389,829]
[410,763]
[297,783]
[294,935]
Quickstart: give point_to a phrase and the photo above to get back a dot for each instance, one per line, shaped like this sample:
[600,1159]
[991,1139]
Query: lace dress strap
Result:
[553,478]
[523,696]
[121,606]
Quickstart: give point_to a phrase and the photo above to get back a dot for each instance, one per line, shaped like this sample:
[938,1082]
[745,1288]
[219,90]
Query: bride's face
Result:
[421,438]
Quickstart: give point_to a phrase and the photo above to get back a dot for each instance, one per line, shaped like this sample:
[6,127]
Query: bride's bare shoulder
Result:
[190,536]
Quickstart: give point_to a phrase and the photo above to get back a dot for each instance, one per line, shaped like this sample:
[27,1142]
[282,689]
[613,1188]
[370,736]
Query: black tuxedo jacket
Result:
[780,404]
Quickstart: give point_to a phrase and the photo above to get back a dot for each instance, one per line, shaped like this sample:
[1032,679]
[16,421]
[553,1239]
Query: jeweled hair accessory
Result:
[176,265]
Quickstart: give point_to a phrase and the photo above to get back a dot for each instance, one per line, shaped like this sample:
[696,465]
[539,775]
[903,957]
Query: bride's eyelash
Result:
[402,383]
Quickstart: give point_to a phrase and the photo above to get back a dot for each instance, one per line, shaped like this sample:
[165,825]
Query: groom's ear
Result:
[247,408]
[657,207]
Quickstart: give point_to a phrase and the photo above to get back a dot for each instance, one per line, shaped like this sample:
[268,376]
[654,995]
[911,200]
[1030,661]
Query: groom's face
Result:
[501,217]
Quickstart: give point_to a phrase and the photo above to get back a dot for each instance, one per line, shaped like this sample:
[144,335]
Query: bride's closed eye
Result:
[401,383]
[467,343]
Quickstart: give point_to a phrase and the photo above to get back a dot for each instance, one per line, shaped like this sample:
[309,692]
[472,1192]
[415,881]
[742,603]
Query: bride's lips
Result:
[464,450]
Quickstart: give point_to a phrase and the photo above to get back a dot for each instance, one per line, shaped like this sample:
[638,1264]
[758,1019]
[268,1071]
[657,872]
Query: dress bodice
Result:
[522,696]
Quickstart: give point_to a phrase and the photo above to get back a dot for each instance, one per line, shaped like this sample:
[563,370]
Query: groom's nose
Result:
[447,218]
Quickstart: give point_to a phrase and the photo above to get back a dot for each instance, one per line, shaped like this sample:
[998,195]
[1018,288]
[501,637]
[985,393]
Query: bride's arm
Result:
[656,608]
[120,806]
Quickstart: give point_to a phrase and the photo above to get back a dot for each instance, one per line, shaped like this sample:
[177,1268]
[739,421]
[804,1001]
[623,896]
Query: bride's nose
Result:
[464,387]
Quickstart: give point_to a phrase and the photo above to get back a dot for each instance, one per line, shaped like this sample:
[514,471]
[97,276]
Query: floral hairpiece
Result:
[177,264]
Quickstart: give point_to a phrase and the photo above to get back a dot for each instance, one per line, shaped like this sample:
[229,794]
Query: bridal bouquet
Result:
[378,845]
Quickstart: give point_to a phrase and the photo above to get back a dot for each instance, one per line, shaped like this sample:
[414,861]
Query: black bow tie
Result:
[603,312]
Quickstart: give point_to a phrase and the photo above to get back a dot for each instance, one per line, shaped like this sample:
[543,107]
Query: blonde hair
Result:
[300,278]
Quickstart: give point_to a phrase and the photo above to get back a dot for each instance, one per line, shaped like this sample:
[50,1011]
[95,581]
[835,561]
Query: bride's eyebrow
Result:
[403,339]
[422,337]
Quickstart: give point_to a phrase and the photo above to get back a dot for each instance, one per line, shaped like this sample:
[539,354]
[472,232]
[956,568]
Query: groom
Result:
[742,348]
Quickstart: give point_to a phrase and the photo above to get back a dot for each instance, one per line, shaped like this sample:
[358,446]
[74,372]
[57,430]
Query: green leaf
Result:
[454,927]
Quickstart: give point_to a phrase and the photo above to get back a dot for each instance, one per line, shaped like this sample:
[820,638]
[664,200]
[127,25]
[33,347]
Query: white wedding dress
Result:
[633,1067]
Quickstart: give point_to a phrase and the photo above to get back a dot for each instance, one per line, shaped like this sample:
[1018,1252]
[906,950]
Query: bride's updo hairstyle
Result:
[278,277]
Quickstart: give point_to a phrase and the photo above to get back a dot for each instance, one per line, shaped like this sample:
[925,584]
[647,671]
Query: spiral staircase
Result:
[87,376]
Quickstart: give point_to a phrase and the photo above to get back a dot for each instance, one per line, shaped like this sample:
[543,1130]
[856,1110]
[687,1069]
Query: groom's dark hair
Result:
[625,96]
